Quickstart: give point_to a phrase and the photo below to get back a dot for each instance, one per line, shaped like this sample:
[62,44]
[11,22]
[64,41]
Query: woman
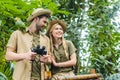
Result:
[63,51]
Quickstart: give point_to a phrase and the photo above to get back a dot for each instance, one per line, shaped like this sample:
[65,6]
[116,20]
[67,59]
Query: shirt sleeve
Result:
[12,41]
[71,47]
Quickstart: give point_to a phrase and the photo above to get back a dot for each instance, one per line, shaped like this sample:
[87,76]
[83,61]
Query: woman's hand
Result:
[55,63]
[68,63]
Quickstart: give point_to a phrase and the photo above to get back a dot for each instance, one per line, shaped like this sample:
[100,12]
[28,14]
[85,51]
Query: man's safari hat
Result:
[52,23]
[38,12]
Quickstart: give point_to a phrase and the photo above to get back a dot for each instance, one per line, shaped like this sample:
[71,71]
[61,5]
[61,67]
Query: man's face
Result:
[41,23]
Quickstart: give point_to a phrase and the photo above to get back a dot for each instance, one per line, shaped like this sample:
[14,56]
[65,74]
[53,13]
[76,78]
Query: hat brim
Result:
[40,12]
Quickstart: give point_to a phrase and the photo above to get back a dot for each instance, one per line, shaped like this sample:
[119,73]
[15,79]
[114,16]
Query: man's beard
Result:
[38,28]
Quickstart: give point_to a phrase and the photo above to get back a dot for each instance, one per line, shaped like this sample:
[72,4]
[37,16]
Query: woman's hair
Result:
[52,25]
[63,43]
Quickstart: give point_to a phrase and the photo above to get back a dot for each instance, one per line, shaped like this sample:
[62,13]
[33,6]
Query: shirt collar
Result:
[27,30]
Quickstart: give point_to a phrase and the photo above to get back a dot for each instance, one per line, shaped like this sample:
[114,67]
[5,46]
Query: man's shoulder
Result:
[17,31]
[45,36]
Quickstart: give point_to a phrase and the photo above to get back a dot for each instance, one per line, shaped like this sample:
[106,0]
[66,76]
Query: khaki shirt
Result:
[22,42]
[59,54]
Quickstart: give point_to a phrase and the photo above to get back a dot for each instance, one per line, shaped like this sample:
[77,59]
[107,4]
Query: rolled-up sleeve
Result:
[71,47]
[12,40]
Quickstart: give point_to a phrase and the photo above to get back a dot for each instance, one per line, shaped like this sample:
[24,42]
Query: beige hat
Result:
[63,24]
[38,12]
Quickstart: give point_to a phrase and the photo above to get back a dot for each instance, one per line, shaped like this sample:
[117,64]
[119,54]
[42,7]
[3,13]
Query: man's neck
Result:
[32,27]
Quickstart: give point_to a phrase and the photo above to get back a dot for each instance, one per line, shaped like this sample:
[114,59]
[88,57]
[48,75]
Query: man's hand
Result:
[30,55]
[46,58]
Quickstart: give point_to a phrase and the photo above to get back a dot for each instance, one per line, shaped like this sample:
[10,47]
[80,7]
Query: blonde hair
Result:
[64,46]
[63,43]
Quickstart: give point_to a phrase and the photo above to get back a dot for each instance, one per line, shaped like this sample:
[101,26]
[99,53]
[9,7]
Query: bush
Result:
[2,76]
[114,77]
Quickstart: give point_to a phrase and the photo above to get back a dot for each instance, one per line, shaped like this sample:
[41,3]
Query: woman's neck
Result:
[57,41]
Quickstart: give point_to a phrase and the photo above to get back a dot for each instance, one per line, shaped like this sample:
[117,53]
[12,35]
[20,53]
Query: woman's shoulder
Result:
[68,41]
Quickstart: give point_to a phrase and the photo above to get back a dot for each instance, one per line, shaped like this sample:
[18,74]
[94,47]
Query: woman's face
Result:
[57,31]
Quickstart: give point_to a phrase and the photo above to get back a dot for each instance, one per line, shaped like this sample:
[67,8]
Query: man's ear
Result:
[36,19]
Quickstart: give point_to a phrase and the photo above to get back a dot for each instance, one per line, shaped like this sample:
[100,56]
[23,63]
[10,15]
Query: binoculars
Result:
[40,51]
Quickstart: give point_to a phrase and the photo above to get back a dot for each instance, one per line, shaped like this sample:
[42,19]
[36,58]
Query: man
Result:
[29,65]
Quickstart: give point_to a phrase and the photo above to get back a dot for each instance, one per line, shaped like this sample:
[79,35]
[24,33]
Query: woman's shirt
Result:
[60,56]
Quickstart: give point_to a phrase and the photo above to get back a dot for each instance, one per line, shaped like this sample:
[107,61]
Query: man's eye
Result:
[61,29]
[45,21]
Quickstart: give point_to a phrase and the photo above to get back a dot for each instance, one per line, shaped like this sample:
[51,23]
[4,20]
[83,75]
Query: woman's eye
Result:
[58,29]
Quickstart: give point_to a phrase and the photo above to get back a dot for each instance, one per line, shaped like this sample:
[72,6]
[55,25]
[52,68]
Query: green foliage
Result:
[113,77]
[2,76]
[20,24]
[104,55]
[6,70]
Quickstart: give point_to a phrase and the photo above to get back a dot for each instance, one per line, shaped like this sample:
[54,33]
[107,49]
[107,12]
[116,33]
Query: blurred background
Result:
[92,25]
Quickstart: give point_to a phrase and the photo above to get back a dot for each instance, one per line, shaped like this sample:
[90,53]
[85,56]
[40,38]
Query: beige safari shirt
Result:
[22,42]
